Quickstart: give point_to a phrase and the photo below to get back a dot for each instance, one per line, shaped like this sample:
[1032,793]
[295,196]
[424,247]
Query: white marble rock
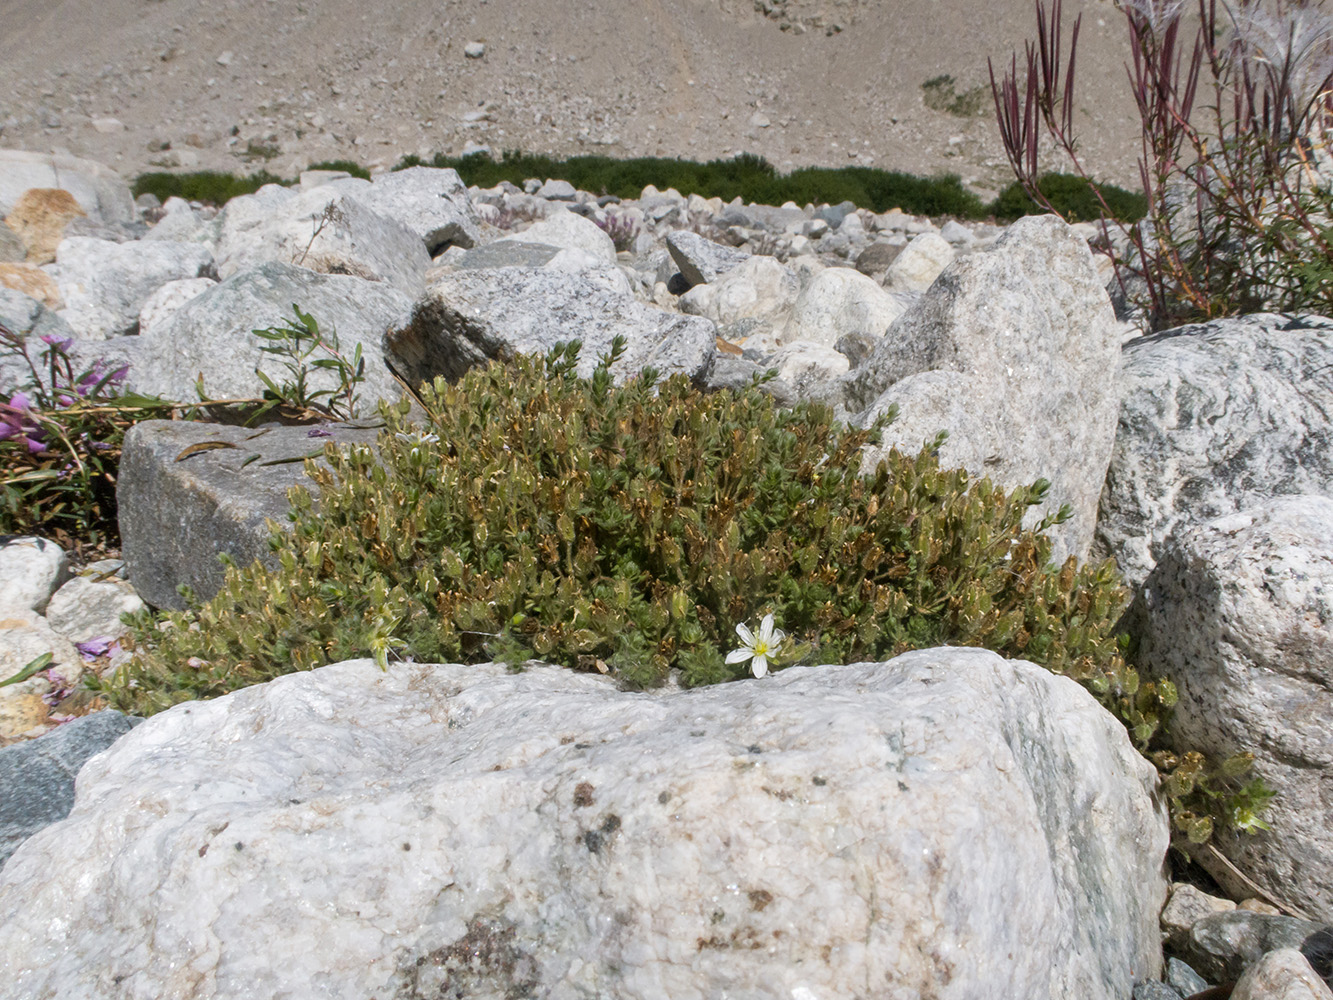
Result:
[949,823]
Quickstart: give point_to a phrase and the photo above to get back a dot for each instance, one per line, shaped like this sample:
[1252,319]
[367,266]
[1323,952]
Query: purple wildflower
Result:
[98,645]
[318,432]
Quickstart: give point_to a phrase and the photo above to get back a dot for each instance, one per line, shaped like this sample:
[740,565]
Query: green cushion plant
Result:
[628,530]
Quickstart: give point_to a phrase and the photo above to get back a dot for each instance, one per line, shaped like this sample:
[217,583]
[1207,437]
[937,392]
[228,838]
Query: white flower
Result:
[757,650]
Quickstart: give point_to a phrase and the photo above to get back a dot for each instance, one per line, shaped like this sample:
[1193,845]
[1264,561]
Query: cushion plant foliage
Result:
[627,530]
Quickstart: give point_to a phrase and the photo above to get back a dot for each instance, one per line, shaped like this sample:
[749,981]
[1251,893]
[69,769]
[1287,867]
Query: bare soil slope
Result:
[239,84]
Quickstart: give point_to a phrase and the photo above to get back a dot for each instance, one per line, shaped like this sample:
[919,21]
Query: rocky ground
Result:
[243,84]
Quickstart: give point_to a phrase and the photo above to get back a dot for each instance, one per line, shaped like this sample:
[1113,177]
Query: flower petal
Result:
[739,655]
[746,635]
[760,666]
[766,628]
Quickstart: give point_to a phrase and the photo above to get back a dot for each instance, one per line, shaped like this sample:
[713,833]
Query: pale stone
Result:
[1283,974]
[920,263]
[701,260]
[1216,418]
[452,830]
[1186,907]
[213,334]
[1031,328]
[39,219]
[31,570]
[99,190]
[164,303]
[85,608]
[569,231]
[757,288]
[325,230]
[33,282]
[24,636]
[840,302]
[1237,613]
[105,285]
[431,202]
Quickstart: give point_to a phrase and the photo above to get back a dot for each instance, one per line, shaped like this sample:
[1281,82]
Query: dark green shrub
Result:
[348,166]
[1073,198]
[210,186]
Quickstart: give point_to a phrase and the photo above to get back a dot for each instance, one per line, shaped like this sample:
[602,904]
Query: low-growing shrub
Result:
[628,530]
[347,166]
[212,187]
[1072,197]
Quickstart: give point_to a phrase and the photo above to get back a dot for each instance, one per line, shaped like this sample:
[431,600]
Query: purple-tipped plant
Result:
[622,228]
[60,438]
[1235,165]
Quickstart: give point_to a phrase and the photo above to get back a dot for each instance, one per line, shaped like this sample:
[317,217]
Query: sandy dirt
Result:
[244,84]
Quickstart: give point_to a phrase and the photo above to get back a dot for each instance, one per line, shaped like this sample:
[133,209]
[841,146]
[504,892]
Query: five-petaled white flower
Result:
[757,650]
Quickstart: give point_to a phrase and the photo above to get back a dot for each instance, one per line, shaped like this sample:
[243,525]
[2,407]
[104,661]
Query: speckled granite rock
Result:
[949,822]
[1216,417]
[1238,612]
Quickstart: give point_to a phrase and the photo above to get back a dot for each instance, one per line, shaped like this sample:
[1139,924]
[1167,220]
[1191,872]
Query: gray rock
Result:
[324,230]
[212,334]
[875,259]
[167,301]
[12,250]
[839,302]
[1030,328]
[569,231]
[1186,907]
[856,347]
[37,776]
[29,318]
[700,260]
[114,232]
[469,317]
[31,570]
[85,608]
[557,190]
[956,232]
[1224,945]
[891,822]
[179,223]
[731,372]
[810,369]
[507,253]
[929,403]
[178,515]
[99,190]
[835,214]
[1237,614]
[1281,975]
[1153,990]
[105,285]
[431,202]
[1217,417]
[1183,979]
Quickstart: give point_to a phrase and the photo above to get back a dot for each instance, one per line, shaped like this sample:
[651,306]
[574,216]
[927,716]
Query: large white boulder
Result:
[99,190]
[31,570]
[105,285]
[431,202]
[916,267]
[1238,613]
[568,231]
[325,230]
[1029,327]
[840,302]
[949,823]
[1217,418]
[212,334]
[759,288]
